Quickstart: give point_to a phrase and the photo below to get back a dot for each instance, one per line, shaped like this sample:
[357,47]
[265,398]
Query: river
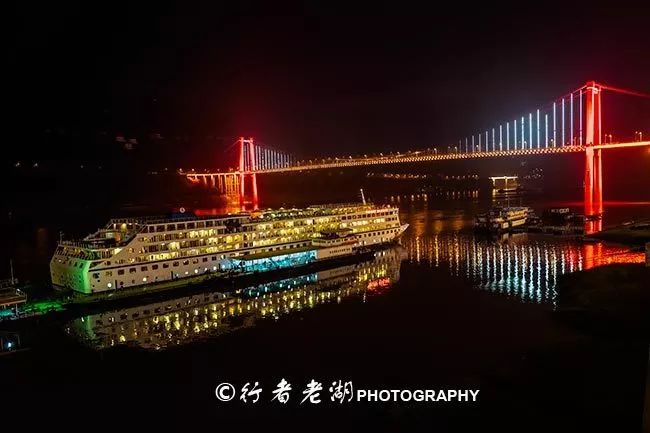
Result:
[444,309]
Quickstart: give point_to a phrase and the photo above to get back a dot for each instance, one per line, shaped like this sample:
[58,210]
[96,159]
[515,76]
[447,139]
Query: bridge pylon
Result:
[247,163]
[593,183]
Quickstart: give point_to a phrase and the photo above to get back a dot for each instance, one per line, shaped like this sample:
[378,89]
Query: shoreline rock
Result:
[612,299]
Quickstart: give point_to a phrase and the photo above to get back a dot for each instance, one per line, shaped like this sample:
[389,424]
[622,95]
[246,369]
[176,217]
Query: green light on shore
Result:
[43,306]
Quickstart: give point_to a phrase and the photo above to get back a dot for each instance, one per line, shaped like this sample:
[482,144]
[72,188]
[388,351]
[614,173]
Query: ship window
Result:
[214,258]
[180,226]
[154,267]
[96,275]
[175,264]
[160,228]
[109,273]
[186,262]
[209,223]
[120,272]
[132,270]
[205,259]
[190,225]
[165,265]
[171,227]
[195,261]
[143,268]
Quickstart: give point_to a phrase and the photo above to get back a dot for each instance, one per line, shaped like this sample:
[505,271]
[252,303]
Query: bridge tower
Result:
[247,164]
[593,199]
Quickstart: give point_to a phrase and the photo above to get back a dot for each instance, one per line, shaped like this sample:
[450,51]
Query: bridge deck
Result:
[420,156]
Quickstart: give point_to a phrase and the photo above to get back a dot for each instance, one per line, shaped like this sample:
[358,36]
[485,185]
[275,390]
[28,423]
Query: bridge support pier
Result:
[598,181]
[589,181]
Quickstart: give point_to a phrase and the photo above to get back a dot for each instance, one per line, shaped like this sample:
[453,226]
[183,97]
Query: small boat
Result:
[11,297]
[499,219]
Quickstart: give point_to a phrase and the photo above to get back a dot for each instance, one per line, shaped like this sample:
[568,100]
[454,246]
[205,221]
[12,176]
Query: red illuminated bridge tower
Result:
[247,167]
[593,200]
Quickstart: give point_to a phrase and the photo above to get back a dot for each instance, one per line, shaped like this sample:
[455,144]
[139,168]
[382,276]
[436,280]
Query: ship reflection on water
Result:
[209,315]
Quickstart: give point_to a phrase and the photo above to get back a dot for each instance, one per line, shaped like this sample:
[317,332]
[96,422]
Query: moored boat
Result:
[133,252]
[499,219]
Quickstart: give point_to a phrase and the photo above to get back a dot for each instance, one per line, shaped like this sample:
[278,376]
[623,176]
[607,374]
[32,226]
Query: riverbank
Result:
[610,299]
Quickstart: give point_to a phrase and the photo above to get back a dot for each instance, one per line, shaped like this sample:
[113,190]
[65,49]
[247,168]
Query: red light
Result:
[378,284]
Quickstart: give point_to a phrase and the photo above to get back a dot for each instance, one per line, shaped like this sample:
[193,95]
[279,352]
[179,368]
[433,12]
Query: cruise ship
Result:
[133,252]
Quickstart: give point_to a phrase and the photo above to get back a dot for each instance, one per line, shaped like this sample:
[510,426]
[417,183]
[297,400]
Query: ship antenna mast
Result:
[363,197]
[11,269]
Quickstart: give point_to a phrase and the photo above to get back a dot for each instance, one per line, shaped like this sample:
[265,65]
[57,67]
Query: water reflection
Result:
[208,315]
[521,266]
[524,267]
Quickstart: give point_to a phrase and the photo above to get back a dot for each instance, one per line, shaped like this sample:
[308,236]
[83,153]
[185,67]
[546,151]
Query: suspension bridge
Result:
[570,124]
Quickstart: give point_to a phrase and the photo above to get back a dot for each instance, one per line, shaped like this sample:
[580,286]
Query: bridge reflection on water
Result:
[521,266]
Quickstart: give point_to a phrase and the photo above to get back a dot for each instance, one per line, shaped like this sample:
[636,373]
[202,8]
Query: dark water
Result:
[446,309]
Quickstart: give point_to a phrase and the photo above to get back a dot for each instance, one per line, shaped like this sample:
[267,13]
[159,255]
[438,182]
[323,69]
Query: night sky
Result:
[306,79]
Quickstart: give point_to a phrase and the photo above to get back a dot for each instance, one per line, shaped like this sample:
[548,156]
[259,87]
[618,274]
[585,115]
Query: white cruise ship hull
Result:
[101,276]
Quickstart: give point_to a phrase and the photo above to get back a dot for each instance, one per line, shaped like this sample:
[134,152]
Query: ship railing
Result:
[79,244]
[96,240]
[88,245]
[161,219]
[317,211]
[8,283]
